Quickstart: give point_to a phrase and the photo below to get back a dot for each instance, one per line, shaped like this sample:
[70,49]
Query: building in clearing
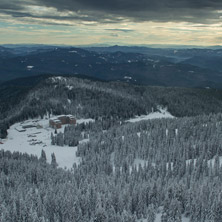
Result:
[20,129]
[57,122]
[27,126]
[71,119]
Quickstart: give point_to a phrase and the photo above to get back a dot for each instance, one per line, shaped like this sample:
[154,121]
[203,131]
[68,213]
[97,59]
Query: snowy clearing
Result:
[79,121]
[32,140]
[162,113]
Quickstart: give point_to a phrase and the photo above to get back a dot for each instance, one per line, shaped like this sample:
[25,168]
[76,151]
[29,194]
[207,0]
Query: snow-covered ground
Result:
[158,219]
[162,113]
[34,139]
[138,162]
[210,162]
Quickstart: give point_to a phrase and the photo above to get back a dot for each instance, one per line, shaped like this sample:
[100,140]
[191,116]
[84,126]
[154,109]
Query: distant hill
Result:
[34,96]
[208,62]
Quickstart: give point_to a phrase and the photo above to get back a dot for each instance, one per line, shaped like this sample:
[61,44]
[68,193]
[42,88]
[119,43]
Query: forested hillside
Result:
[166,170]
[129,173]
[28,98]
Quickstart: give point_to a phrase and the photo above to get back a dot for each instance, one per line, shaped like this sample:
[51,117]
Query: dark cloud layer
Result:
[201,11]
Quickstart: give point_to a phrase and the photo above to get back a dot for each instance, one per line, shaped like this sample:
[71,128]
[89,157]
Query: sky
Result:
[122,22]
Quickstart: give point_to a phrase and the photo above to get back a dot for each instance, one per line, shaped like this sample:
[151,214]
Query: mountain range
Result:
[136,65]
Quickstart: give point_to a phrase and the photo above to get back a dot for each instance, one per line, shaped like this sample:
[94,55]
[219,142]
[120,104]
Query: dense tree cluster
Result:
[73,134]
[178,157]
[179,174]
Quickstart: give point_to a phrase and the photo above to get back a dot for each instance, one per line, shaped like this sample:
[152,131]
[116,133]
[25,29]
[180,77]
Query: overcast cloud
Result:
[195,11]
[76,22]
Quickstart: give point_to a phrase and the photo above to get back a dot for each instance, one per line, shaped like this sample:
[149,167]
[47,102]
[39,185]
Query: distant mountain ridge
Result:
[137,65]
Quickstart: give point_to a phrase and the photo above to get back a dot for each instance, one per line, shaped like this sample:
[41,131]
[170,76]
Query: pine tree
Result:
[43,156]
[52,139]
[151,215]
[100,215]
[53,161]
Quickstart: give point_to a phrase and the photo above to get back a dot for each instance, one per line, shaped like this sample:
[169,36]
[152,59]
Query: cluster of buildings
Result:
[23,127]
[58,121]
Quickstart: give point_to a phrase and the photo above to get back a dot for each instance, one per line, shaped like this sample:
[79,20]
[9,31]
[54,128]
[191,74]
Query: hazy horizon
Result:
[160,46]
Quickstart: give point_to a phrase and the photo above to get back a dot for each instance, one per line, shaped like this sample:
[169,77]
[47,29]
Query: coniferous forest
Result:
[129,172]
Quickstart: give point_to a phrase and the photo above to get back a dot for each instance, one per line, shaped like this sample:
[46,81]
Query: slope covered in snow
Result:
[35,139]
[161,113]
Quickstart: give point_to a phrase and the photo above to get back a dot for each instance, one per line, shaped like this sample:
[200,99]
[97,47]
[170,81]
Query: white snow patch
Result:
[79,121]
[112,160]
[84,141]
[212,161]
[57,78]
[158,219]
[101,57]
[30,67]
[127,77]
[176,132]
[79,106]
[69,87]
[69,101]
[162,113]
[138,162]
[73,51]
